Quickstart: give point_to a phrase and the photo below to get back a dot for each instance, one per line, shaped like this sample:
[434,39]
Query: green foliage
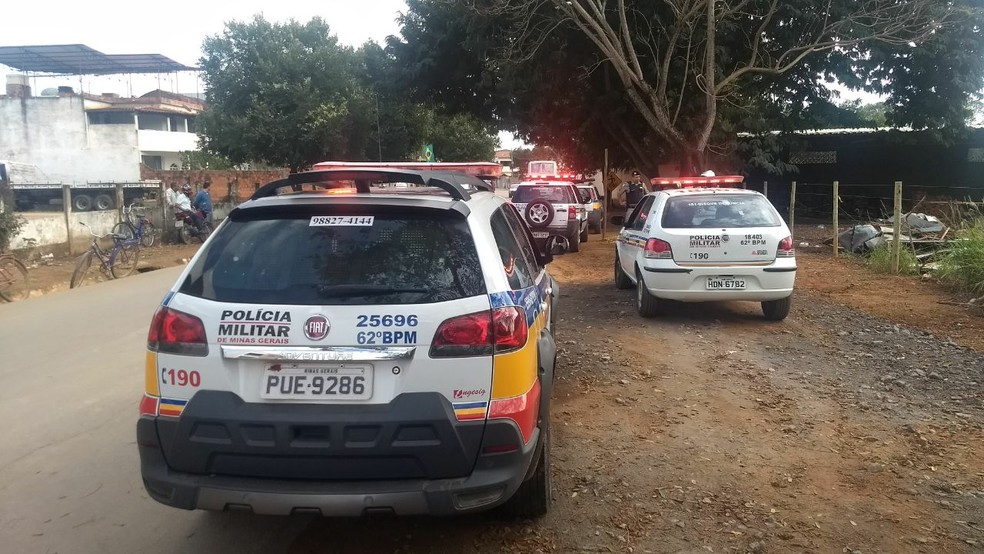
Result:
[963,261]
[10,222]
[880,260]
[290,95]
[519,65]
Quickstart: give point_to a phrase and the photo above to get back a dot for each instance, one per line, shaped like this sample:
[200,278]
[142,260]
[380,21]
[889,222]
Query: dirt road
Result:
[706,431]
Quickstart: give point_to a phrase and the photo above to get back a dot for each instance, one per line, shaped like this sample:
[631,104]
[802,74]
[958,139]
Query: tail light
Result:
[658,249]
[786,249]
[523,409]
[571,212]
[148,405]
[481,334]
[177,333]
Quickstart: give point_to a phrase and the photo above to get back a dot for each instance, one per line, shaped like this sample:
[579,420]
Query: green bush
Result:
[880,260]
[10,225]
[962,263]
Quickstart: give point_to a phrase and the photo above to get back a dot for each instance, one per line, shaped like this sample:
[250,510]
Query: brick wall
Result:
[227,185]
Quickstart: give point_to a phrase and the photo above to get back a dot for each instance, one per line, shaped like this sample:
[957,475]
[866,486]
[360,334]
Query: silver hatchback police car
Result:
[356,342]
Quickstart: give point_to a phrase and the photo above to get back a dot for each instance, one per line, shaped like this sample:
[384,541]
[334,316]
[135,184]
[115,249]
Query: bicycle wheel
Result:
[149,235]
[14,281]
[125,259]
[81,270]
[125,230]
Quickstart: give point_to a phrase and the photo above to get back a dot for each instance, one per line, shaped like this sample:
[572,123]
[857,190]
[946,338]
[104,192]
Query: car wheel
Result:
[532,500]
[777,310]
[104,202]
[584,234]
[81,202]
[539,213]
[622,281]
[575,242]
[647,304]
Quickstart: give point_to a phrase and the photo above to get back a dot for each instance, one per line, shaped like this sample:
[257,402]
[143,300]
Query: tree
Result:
[286,94]
[677,79]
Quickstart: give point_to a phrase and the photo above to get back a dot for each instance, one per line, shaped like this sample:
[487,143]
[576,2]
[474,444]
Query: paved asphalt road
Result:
[71,374]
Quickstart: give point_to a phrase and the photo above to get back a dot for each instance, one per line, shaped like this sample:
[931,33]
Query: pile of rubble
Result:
[924,234]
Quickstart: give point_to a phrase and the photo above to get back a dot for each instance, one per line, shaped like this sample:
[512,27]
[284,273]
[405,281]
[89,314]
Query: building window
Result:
[975,155]
[191,124]
[152,122]
[813,158]
[153,162]
[110,118]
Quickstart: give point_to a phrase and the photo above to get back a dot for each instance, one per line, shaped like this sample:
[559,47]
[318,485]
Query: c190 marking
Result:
[387,337]
[398,320]
[181,377]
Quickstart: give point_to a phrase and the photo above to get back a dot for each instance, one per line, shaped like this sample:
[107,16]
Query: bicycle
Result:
[14,281]
[118,262]
[142,230]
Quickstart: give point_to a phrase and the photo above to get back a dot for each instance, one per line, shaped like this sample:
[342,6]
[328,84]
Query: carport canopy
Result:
[79,59]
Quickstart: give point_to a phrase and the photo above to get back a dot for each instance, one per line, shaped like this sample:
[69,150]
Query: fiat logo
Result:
[316,327]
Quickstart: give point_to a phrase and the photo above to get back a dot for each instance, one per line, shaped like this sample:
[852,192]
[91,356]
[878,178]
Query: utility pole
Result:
[379,134]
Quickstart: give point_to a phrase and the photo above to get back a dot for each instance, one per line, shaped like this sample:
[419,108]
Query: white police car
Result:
[701,244]
[356,350]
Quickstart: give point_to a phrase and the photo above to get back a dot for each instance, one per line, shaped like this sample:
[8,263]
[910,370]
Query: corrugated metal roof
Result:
[79,59]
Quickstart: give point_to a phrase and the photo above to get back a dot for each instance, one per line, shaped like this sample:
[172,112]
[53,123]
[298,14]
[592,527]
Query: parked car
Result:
[553,208]
[370,351]
[706,244]
[592,205]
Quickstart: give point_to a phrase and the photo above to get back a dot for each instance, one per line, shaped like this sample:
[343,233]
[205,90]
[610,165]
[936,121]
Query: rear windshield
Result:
[313,260]
[719,210]
[585,194]
[553,193]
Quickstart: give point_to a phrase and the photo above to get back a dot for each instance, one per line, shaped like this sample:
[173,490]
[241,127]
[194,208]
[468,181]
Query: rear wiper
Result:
[342,291]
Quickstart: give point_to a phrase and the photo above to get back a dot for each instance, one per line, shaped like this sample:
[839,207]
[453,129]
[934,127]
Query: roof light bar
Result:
[695,182]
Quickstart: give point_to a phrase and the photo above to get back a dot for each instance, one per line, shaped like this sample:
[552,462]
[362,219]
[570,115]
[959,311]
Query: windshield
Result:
[719,210]
[587,195]
[354,259]
[553,193]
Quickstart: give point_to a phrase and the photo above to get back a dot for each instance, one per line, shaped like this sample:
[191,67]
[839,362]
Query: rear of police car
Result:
[333,354]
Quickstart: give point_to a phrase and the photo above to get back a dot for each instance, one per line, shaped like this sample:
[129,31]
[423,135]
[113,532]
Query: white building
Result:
[75,138]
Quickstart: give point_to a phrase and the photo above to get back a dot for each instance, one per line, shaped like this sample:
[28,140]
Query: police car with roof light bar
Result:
[695,241]
[345,349]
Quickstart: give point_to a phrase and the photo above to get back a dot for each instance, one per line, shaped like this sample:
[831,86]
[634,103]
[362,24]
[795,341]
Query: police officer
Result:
[630,193]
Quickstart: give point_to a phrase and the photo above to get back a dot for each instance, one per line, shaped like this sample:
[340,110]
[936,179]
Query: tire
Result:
[81,202]
[584,234]
[125,230]
[647,304]
[622,280]
[595,228]
[539,213]
[149,235]
[575,242]
[81,270]
[126,260]
[15,284]
[104,202]
[777,310]
[532,500]
[185,234]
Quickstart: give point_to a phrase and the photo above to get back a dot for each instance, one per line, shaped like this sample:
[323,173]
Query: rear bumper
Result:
[488,481]
[666,279]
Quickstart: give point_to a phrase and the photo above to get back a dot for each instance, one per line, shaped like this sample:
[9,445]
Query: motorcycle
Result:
[185,226]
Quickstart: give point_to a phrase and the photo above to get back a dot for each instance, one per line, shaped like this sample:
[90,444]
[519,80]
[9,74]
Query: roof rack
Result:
[452,183]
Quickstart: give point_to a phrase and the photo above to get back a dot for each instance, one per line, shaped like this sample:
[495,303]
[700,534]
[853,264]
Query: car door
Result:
[632,238]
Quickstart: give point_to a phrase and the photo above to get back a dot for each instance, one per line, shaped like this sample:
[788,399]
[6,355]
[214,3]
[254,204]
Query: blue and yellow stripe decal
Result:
[172,406]
[515,372]
[464,411]
[633,239]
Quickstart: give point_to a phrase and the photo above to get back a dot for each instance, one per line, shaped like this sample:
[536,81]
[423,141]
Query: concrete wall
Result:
[52,134]
[48,229]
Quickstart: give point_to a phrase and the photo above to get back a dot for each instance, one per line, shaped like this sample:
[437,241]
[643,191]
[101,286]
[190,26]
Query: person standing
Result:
[203,202]
[630,193]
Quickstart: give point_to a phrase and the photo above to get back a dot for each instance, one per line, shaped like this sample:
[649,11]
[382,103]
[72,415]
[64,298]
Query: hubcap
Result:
[538,214]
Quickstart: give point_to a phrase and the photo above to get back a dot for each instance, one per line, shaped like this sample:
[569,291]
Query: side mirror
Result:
[617,220]
[557,245]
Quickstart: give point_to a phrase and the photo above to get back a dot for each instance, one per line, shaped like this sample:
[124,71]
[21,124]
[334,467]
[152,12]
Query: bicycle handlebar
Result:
[95,236]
